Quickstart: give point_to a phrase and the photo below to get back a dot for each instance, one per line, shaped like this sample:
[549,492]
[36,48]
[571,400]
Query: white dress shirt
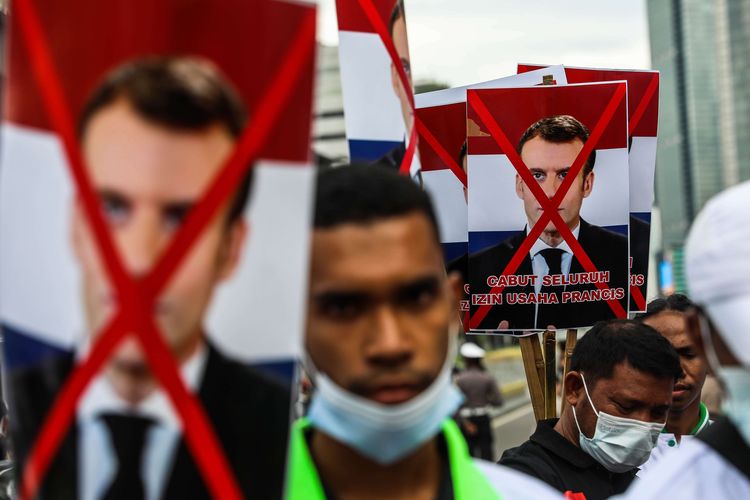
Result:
[539,264]
[668,443]
[97,461]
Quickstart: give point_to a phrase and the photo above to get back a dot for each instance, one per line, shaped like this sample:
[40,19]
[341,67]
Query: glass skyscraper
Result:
[702,48]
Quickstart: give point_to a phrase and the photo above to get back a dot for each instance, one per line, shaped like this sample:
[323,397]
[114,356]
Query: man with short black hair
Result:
[548,148]
[618,391]
[688,415]
[381,334]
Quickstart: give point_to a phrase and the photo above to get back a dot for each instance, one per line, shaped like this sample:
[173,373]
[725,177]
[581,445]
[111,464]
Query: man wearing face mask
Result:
[716,465]
[381,336]
[618,390]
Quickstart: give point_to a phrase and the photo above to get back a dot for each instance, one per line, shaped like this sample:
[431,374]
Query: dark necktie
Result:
[549,314]
[128,435]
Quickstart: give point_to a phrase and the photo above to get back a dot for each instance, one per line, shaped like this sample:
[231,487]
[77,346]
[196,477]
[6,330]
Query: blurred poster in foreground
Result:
[155,188]
[643,118]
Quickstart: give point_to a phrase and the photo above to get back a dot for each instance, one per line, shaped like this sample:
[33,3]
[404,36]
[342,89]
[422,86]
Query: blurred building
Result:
[329,133]
[702,48]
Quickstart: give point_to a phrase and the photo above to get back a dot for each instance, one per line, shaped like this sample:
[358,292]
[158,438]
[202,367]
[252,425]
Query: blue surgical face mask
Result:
[619,444]
[736,380]
[384,433]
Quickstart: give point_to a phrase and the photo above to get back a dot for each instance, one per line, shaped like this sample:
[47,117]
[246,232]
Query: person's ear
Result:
[588,184]
[234,244]
[573,389]
[519,187]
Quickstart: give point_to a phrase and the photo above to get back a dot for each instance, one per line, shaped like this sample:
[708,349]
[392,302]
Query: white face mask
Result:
[385,433]
[619,444]
[736,380]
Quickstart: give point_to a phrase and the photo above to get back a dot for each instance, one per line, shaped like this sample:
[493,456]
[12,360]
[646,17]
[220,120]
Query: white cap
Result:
[471,350]
[717,266]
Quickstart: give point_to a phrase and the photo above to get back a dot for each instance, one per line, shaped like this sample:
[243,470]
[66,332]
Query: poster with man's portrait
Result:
[155,193]
[643,118]
[442,128]
[376,83]
[548,206]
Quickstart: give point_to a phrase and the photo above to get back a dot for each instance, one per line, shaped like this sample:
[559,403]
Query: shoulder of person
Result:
[530,458]
[511,484]
[695,471]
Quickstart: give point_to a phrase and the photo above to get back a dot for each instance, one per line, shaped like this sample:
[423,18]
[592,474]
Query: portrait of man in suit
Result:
[153,136]
[551,287]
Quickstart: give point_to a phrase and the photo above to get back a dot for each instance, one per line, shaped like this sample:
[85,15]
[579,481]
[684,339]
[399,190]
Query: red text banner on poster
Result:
[478,108]
[376,14]
[643,114]
[136,296]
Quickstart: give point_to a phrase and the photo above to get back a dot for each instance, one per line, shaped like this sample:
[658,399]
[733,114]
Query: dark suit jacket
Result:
[249,413]
[607,250]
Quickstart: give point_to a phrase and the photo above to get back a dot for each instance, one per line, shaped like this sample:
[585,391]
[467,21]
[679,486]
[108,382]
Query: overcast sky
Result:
[466,41]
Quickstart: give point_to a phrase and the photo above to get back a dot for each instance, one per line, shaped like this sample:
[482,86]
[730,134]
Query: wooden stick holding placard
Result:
[571,337]
[533,365]
[550,396]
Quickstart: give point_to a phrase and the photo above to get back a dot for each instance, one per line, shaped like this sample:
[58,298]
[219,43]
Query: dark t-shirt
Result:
[547,455]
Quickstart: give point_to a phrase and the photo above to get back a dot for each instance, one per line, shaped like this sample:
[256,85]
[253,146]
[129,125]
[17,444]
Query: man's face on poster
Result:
[402,48]
[148,177]
[549,163]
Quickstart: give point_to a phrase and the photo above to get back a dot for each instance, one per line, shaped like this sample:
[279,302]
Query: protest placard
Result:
[548,206]
[154,218]
[376,83]
[643,117]
[441,124]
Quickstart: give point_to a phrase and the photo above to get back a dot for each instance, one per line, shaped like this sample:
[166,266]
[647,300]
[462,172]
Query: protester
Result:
[482,398]
[687,415]
[618,390]
[716,465]
[382,320]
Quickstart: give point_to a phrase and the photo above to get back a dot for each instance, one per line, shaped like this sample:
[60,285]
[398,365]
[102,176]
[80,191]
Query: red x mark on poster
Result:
[549,206]
[376,21]
[643,109]
[135,296]
[445,156]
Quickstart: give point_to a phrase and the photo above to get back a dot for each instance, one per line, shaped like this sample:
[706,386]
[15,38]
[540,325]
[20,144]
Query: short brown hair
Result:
[560,129]
[182,93]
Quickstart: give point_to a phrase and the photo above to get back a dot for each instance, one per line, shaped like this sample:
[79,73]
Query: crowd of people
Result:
[382,338]
[384,415]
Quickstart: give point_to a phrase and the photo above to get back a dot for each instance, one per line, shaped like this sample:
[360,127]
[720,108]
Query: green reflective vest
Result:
[303,482]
